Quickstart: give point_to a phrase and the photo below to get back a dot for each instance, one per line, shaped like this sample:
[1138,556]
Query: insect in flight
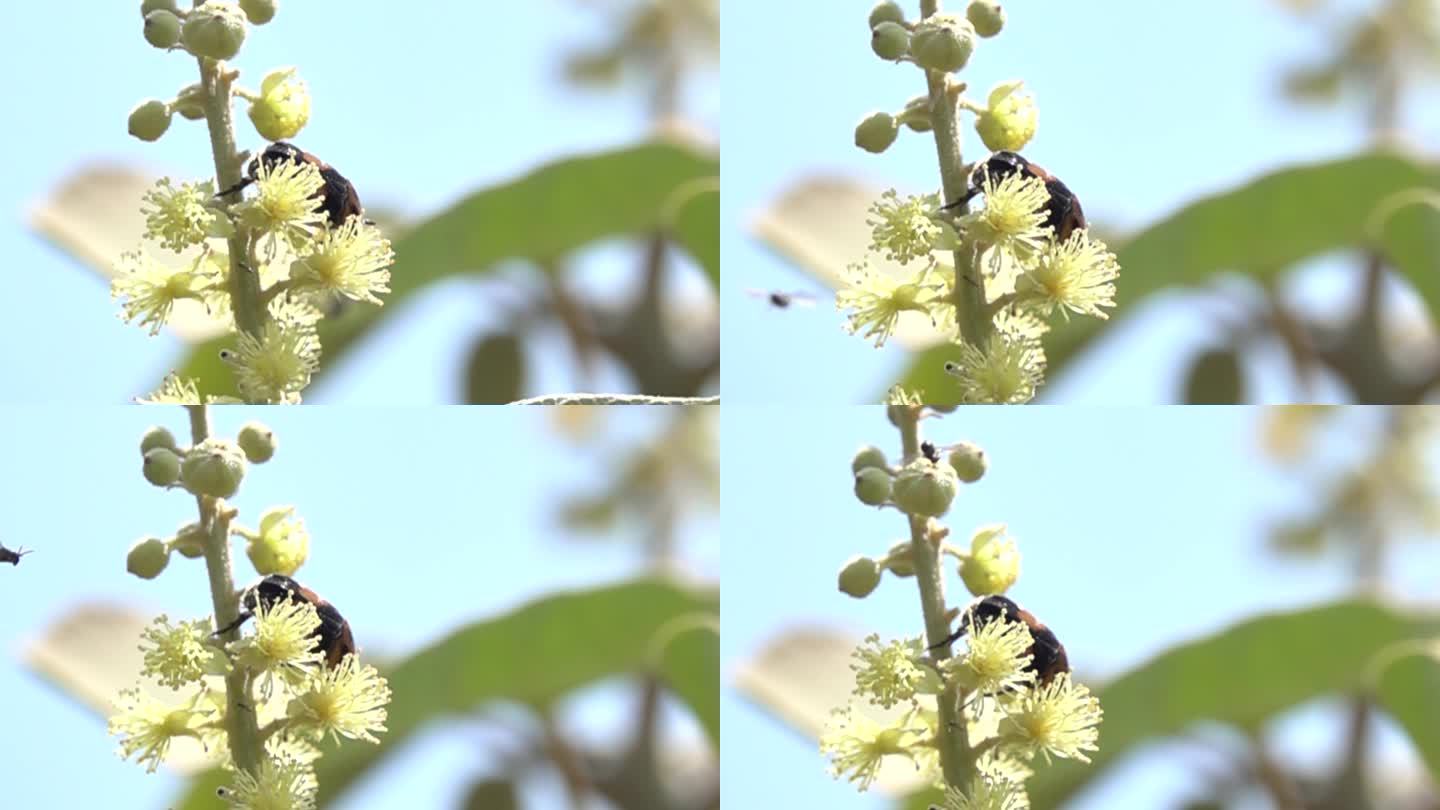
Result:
[338,198]
[12,557]
[1063,212]
[332,638]
[783,300]
[1046,654]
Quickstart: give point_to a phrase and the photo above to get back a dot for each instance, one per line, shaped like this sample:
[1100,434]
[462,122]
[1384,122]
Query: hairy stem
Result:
[245,294]
[241,724]
[969,295]
[956,758]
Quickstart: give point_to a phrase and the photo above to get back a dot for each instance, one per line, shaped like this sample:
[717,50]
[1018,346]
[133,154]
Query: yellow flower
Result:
[891,673]
[276,365]
[278,784]
[987,793]
[181,217]
[177,654]
[1013,217]
[1009,119]
[352,261]
[1077,275]
[283,107]
[905,230]
[877,299]
[146,726]
[283,641]
[149,289]
[994,661]
[857,745]
[1007,372]
[1058,718]
[346,700]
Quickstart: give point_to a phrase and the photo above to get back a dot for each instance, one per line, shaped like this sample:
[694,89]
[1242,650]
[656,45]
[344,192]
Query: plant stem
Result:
[241,724]
[952,736]
[245,298]
[969,292]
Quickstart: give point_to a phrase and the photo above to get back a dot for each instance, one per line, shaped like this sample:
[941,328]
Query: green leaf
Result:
[495,371]
[534,656]
[541,217]
[690,666]
[1409,689]
[1259,230]
[1215,378]
[1244,676]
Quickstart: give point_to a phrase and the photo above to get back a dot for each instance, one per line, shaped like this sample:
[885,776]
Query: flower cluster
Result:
[278,679]
[266,268]
[990,276]
[975,721]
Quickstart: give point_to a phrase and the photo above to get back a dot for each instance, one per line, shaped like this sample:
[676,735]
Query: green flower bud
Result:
[987,16]
[215,30]
[1009,120]
[876,132]
[161,467]
[969,462]
[215,467]
[860,577]
[868,456]
[943,42]
[190,103]
[189,540]
[917,116]
[258,442]
[150,120]
[259,12]
[872,486]
[284,105]
[157,437]
[162,29]
[923,488]
[282,545]
[993,564]
[157,5]
[887,11]
[147,558]
[898,560]
[890,41]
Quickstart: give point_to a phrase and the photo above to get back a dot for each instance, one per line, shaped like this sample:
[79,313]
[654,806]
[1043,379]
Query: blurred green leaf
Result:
[1215,378]
[1409,689]
[491,794]
[694,223]
[690,666]
[541,217]
[1259,230]
[495,371]
[1244,676]
[534,656]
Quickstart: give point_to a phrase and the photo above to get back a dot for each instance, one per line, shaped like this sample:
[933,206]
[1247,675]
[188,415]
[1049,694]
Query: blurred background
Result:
[1220,577]
[443,540]
[1166,119]
[571,141]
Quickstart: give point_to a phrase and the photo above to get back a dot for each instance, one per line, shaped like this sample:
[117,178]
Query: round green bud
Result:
[987,16]
[158,5]
[1010,119]
[162,29]
[259,12]
[993,564]
[161,467]
[868,456]
[190,102]
[916,114]
[189,540]
[258,442]
[214,467]
[888,11]
[969,462]
[860,577]
[283,544]
[215,30]
[943,42]
[927,489]
[876,132]
[147,558]
[898,559]
[150,120]
[157,437]
[872,486]
[890,41]
[283,108]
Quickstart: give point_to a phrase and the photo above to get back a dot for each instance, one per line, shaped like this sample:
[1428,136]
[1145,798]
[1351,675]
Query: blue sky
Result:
[1144,106]
[416,107]
[1139,528]
[421,519]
